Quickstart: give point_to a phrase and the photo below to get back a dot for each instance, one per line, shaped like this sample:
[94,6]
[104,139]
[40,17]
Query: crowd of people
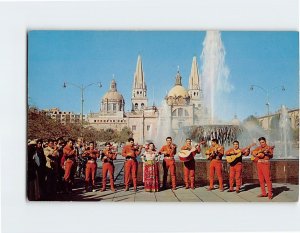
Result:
[52,165]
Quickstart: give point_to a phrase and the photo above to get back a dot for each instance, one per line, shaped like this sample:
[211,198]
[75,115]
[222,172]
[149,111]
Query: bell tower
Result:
[194,89]
[139,98]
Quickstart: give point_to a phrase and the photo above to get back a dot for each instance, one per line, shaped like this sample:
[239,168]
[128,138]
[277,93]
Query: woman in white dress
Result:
[150,159]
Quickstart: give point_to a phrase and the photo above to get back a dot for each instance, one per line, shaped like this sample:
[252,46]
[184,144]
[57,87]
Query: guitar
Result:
[212,153]
[232,157]
[261,153]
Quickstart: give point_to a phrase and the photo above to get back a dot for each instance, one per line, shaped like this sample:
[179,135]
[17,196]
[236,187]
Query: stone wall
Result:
[283,171]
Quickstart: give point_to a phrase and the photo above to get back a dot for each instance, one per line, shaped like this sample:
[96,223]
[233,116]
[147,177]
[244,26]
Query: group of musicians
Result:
[260,155]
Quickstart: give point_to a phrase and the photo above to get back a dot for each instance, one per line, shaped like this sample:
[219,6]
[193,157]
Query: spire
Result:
[113,85]
[178,78]
[194,81]
[139,81]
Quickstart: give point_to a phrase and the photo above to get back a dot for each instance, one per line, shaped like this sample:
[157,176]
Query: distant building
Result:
[266,121]
[62,116]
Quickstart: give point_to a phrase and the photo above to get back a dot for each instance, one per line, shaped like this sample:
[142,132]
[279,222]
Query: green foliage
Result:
[40,126]
[252,119]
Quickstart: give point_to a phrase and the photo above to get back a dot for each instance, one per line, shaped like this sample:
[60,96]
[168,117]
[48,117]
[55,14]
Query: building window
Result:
[174,113]
[94,120]
[148,127]
[113,120]
[180,112]
[133,127]
[136,106]
[142,106]
[114,107]
[180,124]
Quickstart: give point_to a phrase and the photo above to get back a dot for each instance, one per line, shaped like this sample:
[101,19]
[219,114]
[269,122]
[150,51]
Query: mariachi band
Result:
[68,156]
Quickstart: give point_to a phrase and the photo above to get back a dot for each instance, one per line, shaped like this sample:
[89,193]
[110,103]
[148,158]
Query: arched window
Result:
[142,106]
[136,106]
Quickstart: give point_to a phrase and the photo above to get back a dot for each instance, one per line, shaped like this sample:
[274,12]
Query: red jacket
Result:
[168,151]
[130,151]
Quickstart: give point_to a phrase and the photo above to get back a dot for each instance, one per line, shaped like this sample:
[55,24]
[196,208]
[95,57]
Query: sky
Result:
[264,58]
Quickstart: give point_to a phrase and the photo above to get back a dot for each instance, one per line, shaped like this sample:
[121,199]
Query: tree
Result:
[252,119]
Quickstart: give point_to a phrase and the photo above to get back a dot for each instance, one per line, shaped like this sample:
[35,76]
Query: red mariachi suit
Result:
[130,153]
[69,164]
[169,163]
[215,157]
[107,158]
[236,167]
[189,167]
[91,167]
[264,154]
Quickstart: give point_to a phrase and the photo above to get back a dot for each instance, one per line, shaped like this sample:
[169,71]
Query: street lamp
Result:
[82,89]
[267,92]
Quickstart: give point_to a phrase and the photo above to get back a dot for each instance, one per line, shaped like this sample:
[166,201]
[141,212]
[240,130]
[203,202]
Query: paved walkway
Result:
[282,193]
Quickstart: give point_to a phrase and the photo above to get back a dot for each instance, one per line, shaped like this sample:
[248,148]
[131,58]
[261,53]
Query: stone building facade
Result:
[183,107]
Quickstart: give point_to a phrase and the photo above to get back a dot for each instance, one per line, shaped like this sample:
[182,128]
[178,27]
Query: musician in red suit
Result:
[169,151]
[69,164]
[215,154]
[189,166]
[91,166]
[130,152]
[108,155]
[236,165]
[264,153]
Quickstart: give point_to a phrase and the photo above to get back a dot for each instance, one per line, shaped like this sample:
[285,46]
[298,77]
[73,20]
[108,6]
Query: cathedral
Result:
[182,107]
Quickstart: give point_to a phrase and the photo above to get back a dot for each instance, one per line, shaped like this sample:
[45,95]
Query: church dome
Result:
[178,91]
[178,95]
[113,94]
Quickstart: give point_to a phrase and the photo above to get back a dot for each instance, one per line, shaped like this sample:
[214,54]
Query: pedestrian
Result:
[189,166]
[263,154]
[109,154]
[69,164]
[130,152]
[150,159]
[215,154]
[169,150]
[91,167]
[51,154]
[234,157]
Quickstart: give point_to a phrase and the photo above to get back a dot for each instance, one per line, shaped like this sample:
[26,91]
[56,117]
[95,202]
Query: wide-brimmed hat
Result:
[33,142]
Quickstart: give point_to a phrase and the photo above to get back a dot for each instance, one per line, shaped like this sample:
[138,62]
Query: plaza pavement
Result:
[283,192]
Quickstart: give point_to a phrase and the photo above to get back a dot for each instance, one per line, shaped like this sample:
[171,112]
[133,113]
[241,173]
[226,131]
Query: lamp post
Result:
[267,92]
[82,89]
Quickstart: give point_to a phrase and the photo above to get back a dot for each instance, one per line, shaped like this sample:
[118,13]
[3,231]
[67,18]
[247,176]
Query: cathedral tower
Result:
[194,89]
[139,98]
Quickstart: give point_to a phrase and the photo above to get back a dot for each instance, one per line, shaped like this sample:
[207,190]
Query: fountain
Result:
[215,74]
[163,124]
[215,85]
